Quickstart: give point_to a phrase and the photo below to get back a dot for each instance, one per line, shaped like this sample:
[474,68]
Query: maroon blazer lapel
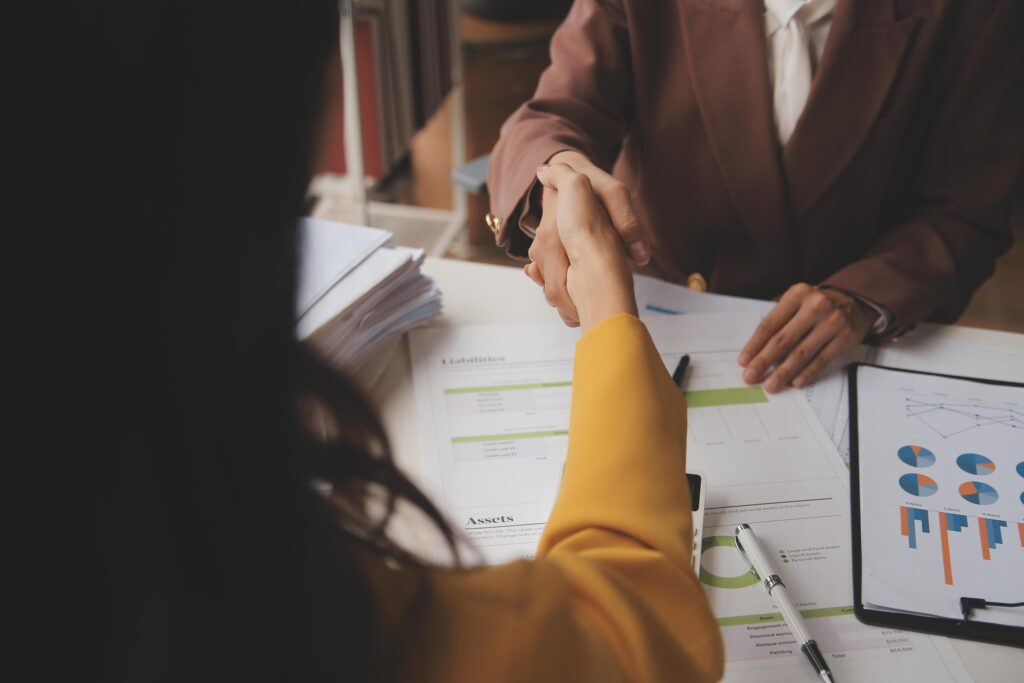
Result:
[862,57]
[726,52]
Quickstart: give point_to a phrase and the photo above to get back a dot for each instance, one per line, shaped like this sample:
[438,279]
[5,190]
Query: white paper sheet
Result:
[328,251]
[493,405]
[658,296]
[942,493]
[1001,357]
[827,395]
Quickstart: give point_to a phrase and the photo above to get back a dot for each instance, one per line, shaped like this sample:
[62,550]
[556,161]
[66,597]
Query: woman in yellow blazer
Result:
[216,434]
[612,595]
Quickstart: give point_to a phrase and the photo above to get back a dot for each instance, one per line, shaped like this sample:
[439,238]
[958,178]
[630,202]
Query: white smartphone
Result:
[698,493]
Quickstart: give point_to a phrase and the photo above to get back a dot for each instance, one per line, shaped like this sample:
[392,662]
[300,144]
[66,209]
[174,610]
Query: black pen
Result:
[680,371]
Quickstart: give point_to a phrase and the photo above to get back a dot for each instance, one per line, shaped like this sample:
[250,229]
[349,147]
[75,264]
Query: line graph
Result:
[949,417]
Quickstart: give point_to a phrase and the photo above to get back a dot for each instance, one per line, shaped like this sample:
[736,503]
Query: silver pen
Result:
[751,550]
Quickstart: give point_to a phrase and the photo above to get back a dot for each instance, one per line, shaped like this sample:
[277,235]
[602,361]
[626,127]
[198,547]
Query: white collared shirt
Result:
[796,32]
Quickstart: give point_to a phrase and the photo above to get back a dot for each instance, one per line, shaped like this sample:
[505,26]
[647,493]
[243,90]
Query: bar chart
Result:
[915,521]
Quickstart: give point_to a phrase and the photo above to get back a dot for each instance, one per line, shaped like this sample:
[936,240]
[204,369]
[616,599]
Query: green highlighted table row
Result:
[732,396]
[506,387]
[776,616]
[698,398]
[509,437]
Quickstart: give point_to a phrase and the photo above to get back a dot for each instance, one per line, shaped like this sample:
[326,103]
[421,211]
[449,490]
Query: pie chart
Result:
[919,485]
[916,456]
[978,493]
[972,463]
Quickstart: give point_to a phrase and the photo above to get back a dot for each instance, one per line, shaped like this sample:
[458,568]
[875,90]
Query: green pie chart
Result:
[743,580]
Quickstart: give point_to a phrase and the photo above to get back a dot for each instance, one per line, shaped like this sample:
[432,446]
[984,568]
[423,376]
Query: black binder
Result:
[966,627]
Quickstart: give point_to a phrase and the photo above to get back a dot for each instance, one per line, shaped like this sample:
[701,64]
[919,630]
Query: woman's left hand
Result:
[806,330]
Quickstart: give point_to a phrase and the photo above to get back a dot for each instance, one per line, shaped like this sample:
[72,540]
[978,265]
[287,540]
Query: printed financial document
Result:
[827,394]
[999,357]
[493,404]
[942,493]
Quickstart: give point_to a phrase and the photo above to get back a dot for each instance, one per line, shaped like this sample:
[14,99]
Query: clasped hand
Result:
[596,279]
[607,202]
[579,258]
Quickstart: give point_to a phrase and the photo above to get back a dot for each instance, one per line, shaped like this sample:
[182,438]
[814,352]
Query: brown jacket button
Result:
[493,222]
[697,283]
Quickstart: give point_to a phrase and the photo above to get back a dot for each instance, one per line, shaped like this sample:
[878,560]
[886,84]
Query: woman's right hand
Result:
[549,261]
[598,279]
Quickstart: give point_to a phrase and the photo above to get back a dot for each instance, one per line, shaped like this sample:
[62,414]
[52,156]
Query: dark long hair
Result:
[193,125]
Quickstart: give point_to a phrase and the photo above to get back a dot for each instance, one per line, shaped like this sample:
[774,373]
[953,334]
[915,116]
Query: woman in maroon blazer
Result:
[886,204]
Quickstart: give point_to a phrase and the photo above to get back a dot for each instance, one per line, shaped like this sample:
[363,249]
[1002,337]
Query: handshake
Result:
[577,255]
[589,233]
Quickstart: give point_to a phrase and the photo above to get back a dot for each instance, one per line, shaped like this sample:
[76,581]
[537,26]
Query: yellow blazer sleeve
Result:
[611,595]
[621,529]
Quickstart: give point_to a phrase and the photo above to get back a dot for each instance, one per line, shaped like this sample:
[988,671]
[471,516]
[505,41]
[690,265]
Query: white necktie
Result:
[786,22]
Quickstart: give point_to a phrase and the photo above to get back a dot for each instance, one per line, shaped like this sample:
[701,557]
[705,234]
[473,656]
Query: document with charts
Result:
[941,467]
[493,404]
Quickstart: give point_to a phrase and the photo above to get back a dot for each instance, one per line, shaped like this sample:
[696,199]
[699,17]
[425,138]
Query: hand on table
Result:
[549,262]
[807,329]
[598,281]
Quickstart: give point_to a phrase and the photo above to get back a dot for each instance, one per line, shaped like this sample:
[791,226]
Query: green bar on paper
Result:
[509,437]
[733,396]
[775,616]
[507,387]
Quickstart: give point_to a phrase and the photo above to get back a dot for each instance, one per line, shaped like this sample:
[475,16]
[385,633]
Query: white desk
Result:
[481,294]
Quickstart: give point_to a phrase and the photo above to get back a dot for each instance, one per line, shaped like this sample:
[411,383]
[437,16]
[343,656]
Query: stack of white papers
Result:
[357,297]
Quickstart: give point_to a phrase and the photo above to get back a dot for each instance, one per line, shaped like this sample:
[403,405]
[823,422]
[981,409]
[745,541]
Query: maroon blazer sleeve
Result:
[582,103]
[952,220]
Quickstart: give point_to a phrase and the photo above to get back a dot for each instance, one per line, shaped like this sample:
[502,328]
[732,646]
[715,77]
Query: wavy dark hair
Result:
[222,559]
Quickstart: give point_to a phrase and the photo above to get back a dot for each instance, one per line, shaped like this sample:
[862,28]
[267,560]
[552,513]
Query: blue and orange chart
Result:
[978,493]
[975,463]
[941,491]
[1020,471]
[916,520]
[918,485]
[990,532]
[909,517]
[916,456]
